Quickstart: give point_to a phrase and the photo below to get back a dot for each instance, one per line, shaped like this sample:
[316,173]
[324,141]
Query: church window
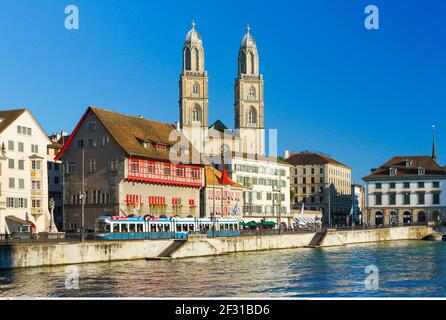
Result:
[197,60]
[188,59]
[243,63]
[195,89]
[252,116]
[196,114]
[252,93]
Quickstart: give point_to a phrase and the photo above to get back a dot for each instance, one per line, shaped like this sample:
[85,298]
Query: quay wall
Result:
[339,237]
[50,254]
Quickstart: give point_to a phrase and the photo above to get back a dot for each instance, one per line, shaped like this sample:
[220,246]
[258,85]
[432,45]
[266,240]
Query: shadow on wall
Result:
[6,256]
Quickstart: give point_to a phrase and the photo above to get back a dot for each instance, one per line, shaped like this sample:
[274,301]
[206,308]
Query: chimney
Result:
[177,125]
[287,154]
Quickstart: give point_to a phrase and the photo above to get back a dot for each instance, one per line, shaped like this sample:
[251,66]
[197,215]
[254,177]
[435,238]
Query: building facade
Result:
[358,203]
[23,173]
[319,182]
[116,164]
[267,183]
[222,196]
[406,189]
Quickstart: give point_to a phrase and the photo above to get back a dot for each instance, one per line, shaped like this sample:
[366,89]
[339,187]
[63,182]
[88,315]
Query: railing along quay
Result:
[6,239]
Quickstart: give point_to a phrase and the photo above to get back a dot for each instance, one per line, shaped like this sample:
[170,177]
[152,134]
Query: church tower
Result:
[194,90]
[249,104]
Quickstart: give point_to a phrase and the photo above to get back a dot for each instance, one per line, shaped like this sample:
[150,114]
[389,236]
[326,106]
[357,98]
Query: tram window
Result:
[166,228]
[116,227]
[124,227]
[132,227]
[191,227]
[231,226]
[152,228]
[160,227]
[178,227]
[184,227]
[139,227]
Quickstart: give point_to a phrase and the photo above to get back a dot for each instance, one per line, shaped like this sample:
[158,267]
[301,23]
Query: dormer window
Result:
[421,171]
[393,171]
[408,163]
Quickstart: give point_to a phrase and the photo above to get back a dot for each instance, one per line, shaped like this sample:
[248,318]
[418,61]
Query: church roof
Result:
[193,36]
[248,40]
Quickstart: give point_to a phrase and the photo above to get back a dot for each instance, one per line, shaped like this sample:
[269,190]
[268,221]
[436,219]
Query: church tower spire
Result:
[434,149]
[194,90]
[249,102]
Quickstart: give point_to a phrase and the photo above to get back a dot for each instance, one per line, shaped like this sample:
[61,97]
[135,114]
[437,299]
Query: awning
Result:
[268,223]
[305,221]
[19,221]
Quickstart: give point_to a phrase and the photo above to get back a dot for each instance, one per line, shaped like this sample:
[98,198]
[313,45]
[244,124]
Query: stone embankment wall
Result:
[32,255]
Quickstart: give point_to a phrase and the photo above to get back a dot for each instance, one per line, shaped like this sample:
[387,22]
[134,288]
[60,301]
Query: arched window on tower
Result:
[187,59]
[196,114]
[243,63]
[197,60]
[252,93]
[252,116]
[195,89]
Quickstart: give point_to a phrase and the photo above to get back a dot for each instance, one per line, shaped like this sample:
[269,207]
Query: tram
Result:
[117,227]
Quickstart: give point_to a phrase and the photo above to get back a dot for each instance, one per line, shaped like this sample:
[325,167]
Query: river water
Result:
[399,269]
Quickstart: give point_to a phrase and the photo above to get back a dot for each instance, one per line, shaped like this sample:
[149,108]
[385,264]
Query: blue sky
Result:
[332,86]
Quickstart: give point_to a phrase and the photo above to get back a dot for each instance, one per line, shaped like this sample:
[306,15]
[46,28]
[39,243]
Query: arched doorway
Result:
[421,216]
[379,218]
[407,217]
[393,217]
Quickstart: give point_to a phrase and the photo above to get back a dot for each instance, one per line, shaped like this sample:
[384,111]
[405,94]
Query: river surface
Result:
[391,269]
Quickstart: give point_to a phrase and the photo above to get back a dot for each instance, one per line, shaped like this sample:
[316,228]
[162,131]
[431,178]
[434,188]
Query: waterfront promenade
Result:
[70,252]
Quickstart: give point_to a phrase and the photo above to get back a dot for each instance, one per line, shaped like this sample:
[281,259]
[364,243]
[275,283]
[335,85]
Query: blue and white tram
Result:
[116,227]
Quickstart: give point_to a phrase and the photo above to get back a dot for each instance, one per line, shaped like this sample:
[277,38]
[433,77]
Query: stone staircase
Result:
[317,239]
[174,246]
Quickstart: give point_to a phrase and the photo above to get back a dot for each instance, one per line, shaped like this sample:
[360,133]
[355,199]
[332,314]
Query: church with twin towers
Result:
[248,134]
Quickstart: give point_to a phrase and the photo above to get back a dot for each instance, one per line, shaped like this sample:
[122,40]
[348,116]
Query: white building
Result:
[358,202]
[406,190]
[267,180]
[23,173]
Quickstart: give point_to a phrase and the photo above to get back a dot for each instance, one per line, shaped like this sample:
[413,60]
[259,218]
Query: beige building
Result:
[23,173]
[319,182]
[116,164]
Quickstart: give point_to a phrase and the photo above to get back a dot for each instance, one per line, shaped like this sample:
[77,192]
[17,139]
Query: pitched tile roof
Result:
[308,158]
[407,167]
[213,177]
[8,117]
[136,136]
